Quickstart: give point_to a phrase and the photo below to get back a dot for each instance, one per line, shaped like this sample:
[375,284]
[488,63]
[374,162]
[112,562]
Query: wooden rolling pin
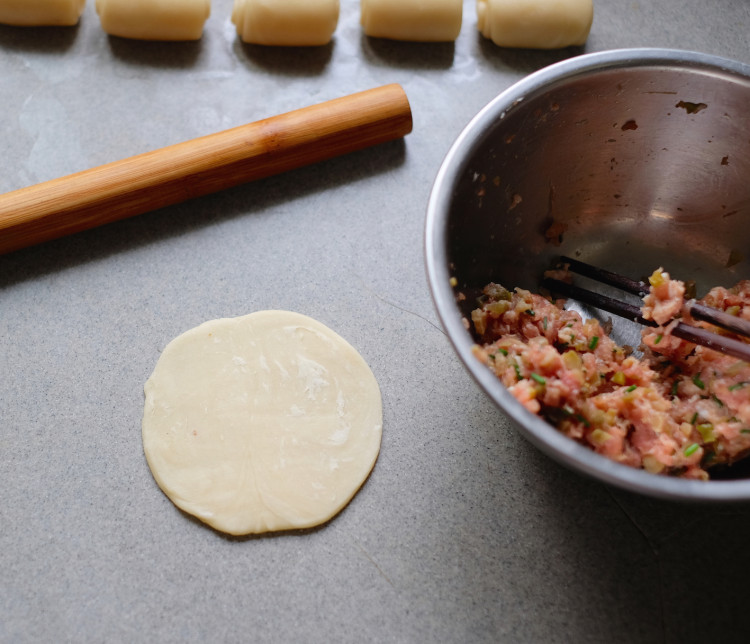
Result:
[201,166]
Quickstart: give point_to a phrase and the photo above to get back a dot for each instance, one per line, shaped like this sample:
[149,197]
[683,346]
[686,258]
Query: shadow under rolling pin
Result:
[202,166]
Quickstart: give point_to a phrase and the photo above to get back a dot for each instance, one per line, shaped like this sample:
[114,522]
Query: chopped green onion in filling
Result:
[691,449]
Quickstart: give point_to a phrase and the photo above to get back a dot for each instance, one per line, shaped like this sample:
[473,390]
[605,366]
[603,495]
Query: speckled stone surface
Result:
[463,532]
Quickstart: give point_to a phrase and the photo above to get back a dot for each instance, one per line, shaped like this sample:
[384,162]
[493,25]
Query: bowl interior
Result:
[628,160]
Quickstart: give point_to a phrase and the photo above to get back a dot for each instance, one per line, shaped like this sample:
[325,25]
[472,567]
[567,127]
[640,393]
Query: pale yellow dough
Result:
[292,23]
[535,24]
[41,13]
[154,19]
[415,20]
[265,422]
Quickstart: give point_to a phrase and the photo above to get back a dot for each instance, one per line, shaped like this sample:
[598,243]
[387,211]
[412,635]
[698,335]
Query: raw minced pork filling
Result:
[678,410]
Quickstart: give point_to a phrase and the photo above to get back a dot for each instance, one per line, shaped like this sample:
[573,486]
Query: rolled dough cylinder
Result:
[292,23]
[535,24]
[41,13]
[154,19]
[416,20]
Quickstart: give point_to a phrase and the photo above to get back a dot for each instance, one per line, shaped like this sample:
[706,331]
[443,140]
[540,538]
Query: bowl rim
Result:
[541,434]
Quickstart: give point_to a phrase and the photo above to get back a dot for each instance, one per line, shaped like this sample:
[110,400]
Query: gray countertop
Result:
[463,532]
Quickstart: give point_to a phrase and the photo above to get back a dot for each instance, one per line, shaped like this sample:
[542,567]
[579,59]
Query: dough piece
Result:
[417,20]
[265,422]
[535,24]
[154,19]
[41,13]
[293,23]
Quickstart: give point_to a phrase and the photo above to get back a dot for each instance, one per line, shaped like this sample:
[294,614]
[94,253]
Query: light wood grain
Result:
[201,166]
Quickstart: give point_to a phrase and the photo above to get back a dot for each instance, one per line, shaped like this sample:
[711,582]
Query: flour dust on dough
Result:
[265,422]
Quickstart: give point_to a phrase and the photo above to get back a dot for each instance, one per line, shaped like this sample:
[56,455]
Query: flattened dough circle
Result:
[265,422]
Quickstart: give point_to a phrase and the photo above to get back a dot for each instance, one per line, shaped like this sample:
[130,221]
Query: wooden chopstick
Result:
[697,310]
[624,283]
[724,320]
[597,300]
[201,166]
[690,333]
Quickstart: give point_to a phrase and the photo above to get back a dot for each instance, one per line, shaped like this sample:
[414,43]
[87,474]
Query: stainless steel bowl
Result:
[626,159]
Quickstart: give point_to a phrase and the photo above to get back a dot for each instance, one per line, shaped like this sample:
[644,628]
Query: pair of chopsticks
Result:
[688,332]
